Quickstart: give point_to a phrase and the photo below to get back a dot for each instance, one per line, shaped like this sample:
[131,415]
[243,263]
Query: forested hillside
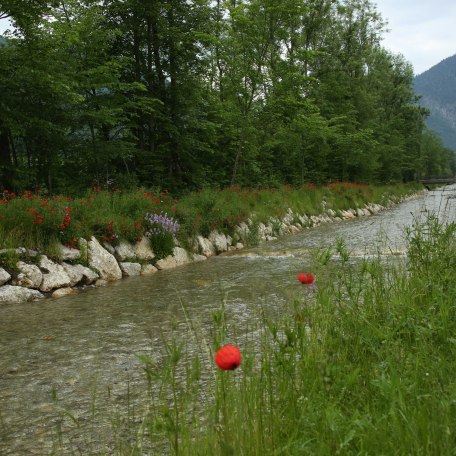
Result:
[184,95]
[437,87]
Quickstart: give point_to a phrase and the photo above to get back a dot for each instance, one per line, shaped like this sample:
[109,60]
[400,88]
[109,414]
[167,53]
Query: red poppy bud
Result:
[228,357]
[306,278]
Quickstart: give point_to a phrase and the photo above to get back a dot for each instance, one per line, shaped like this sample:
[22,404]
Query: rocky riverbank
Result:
[94,264]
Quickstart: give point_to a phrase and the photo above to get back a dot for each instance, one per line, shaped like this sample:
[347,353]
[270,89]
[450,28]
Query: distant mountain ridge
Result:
[437,87]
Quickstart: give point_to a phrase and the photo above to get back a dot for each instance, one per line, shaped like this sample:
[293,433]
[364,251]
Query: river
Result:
[78,353]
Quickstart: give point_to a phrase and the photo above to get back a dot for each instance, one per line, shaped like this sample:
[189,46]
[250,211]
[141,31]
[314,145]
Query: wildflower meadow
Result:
[39,221]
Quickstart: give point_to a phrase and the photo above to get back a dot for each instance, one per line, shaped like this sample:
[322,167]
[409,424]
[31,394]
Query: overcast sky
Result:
[423,31]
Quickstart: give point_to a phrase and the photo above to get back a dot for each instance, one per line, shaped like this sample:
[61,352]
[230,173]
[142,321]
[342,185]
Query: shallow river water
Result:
[68,353]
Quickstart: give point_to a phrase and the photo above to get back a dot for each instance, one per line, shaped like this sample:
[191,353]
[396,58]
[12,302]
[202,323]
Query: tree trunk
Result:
[5,148]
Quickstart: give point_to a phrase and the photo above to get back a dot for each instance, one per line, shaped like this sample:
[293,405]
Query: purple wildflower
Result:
[161,224]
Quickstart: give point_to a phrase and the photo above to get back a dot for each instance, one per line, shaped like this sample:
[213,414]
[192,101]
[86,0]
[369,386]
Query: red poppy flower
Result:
[306,278]
[228,357]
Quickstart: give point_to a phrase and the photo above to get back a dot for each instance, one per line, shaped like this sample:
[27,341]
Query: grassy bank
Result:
[363,364]
[38,221]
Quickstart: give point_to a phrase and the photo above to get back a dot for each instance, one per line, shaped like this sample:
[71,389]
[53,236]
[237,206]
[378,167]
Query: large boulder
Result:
[181,256]
[61,292]
[102,261]
[130,269]
[166,263]
[54,276]
[219,241]
[242,231]
[10,293]
[4,276]
[80,274]
[293,229]
[288,218]
[143,251]
[29,276]
[147,269]
[206,247]
[74,273]
[124,251]
[197,257]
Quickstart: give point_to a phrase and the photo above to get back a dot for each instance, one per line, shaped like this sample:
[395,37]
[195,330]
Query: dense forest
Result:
[181,95]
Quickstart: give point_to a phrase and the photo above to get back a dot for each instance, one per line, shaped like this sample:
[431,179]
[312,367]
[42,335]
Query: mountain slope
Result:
[437,87]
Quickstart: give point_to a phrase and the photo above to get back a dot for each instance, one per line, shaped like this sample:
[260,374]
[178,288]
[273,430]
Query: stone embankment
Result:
[93,264]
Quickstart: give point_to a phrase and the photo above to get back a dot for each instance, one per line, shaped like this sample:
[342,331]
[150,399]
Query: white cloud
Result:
[422,31]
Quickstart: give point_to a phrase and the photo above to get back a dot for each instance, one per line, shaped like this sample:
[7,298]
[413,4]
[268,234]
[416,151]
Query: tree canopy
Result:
[184,95]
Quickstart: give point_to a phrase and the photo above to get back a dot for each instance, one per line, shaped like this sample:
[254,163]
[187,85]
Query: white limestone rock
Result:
[166,263]
[74,273]
[130,269]
[147,269]
[288,217]
[109,248]
[10,293]
[205,246]
[219,241]
[61,292]
[197,257]
[293,229]
[88,276]
[29,276]
[326,219]
[143,251]
[124,251]
[242,230]
[54,275]
[102,261]
[347,215]
[4,276]
[68,254]
[80,274]
[261,230]
[181,256]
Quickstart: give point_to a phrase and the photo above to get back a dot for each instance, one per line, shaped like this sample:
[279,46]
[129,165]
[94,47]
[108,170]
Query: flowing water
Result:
[78,353]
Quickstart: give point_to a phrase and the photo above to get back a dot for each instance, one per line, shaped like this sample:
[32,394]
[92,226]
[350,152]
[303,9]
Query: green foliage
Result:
[37,221]
[9,259]
[162,245]
[161,231]
[183,97]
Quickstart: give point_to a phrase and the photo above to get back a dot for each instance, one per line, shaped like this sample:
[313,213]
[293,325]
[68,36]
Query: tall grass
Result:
[363,364]
[40,221]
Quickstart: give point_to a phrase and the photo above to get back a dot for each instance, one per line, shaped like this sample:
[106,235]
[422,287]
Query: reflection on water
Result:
[85,346]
